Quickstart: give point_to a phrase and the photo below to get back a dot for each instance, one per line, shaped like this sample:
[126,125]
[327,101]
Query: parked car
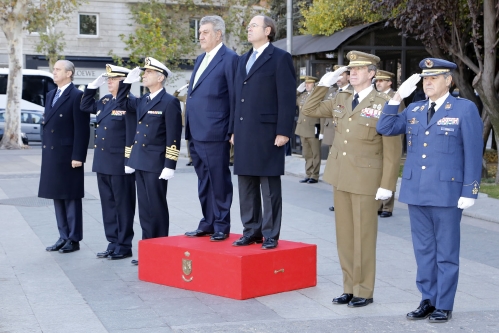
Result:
[24,138]
[30,123]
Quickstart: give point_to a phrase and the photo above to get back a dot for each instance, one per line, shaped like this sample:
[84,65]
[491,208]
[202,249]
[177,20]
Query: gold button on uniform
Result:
[427,132]
[423,167]
[446,133]
[425,144]
[424,156]
[452,178]
[367,124]
[135,141]
[345,142]
[344,153]
[349,119]
[348,130]
[140,122]
[143,145]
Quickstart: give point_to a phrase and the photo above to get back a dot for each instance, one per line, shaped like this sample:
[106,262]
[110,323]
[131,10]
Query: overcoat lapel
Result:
[53,109]
[262,59]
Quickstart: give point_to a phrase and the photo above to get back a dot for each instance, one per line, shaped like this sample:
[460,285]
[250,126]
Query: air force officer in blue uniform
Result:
[156,146]
[64,150]
[208,106]
[441,177]
[116,189]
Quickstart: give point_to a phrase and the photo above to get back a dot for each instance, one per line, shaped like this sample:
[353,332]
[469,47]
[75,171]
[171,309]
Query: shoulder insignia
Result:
[105,100]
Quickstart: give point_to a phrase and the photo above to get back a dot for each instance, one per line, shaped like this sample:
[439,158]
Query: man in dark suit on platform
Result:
[114,133]
[64,150]
[209,102]
[156,147]
[262,123]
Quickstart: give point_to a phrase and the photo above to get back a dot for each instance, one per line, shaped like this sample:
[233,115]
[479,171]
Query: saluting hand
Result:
[133,76]
[281,140]
[332,77]
[99,81]
[301,87]
[408,86]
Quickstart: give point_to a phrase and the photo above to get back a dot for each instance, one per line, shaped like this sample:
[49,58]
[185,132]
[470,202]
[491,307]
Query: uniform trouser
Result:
[436,235]
[117,195]
[387,205]
[188,150]
[211,162]
[153,208]
[311,150]
[69,216]
[356,233]
[257,224]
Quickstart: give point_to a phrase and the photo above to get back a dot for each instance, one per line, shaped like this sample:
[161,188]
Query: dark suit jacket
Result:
[264,107]
[209,103]
[159,129]
[66,132]
[113,127]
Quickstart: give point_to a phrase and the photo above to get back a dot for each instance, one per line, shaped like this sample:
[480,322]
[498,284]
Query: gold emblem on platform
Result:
[187,267]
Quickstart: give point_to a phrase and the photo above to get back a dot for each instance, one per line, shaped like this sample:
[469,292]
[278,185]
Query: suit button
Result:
[427,132]
[244,82]
[345,142]
[60,115]
[241,118]
[242,100]
[102,148]
[52,131]
[135,141]
[147,125]
[423,167]
[137,132]
[97,125]
[95,146]
[424,156]
[145,135]
[105,128]
[102,138]
[425,144]
[344,153]
[140,122]
[143,145]
[348,130]
[95,135]
[52,147]
[43,146]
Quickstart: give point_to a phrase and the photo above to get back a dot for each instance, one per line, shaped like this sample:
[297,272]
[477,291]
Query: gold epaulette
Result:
[172,153]
[128,151]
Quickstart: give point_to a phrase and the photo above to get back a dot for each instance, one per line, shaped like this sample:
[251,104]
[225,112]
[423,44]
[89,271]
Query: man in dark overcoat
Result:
[116,189]
[262,123]
[64,150]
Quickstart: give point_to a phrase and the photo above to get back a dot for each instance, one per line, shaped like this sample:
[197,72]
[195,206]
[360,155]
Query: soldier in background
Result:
[309,131]
[384,83]
[328,125]
[182,100]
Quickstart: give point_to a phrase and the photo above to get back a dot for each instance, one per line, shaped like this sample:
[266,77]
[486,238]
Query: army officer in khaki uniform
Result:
[309,130]
[384,83]
[362,167]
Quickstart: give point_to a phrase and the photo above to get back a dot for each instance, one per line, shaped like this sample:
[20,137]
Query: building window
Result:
[194,28]
[88,25]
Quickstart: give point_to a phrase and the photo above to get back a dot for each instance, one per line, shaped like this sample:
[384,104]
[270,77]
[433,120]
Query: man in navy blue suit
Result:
[441,177]
[208,106]
[64,150]
[262,123]
[114,132]
[156,146]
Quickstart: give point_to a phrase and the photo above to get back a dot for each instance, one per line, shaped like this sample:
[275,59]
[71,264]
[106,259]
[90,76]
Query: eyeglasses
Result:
[254,25]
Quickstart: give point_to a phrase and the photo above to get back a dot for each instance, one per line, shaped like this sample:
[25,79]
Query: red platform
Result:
[221,269]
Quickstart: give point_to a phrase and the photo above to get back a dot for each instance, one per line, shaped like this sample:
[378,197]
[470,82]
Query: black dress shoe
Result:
[118,256]
[105,254]
[245,241]
[357,302]
[198,233]
[343,299]
[312,181]
[218,236]
[304,180]
[385,214]
[56,247]
[70,246]
[423,311]
[269,243]
[440,316]
[189,164]
[331,208]
[135,262]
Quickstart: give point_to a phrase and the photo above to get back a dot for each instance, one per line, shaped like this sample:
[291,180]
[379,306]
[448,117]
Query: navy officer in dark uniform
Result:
[441,177]
[116,188]
[156,146]
[64,150]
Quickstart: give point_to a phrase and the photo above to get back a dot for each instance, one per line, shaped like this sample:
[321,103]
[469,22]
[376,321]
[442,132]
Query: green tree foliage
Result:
[278,11]
[325,17]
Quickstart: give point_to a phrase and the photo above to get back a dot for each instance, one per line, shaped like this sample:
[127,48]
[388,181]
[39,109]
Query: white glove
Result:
[99,81]
[133,76]
[409,85]
[332,77]
[464,203]
[321,136]
[183,87]
[129,170]
[166,174]
[383,194]
[301,87]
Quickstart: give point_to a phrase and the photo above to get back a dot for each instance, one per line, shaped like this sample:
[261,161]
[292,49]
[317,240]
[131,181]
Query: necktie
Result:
[355,101]
[431,111]
[56,97]
[201,68]
[251,61]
